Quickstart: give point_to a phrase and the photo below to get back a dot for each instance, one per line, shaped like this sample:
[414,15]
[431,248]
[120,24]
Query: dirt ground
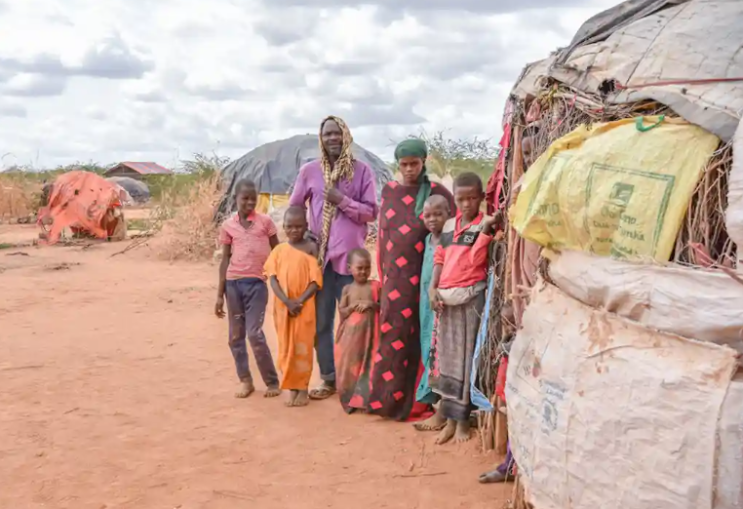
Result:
[117,393]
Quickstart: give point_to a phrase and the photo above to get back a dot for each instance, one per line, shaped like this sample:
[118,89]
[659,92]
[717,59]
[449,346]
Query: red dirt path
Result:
[117,393]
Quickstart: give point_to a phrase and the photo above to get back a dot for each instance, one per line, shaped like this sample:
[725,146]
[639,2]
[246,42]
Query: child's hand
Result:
[491,222]
[294,306]
[362,307]
[435,299]
[219,307]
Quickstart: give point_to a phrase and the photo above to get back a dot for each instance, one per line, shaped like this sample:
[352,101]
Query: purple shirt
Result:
[358,207]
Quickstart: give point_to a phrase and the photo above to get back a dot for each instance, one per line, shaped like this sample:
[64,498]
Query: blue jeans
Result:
[326,301]
[246,307]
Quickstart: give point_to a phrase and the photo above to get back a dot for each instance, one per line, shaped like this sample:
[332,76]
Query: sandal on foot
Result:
[494,477]
[323,392]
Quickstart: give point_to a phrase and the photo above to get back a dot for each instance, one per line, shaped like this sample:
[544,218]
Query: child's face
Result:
[295,226]
[360,269]
[434,217]
[247,198]
[468,200]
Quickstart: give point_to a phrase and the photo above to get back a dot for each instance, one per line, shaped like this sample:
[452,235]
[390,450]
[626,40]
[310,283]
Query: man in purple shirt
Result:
[351,203]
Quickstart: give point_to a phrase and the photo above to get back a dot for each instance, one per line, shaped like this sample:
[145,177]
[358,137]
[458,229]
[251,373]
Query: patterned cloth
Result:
[332,174]
[427,319]
[453,351]
[358,339]
[250,246]
[397,364]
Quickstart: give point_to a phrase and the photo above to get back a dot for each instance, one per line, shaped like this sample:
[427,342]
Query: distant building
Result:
[137,170]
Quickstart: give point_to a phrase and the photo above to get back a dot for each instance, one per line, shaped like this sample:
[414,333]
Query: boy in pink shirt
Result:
[247,239]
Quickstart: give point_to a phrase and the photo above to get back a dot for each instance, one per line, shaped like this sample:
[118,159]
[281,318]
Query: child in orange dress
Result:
[295,277]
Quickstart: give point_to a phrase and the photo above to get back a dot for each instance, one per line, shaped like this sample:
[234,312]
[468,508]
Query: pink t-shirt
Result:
[250,247]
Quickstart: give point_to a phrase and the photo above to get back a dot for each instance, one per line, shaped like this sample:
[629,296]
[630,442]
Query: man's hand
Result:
[333,196]
[294,307]
[219,307]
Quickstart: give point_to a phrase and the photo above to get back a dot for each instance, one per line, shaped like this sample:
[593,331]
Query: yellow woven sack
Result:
[619,189]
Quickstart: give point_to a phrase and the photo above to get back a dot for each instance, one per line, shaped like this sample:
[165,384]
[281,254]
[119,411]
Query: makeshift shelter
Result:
[274,168]
[138,190]
[84,202]
[137,170]
[623,322]
[124,197]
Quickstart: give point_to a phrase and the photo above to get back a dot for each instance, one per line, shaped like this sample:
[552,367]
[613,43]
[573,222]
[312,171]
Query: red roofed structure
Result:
[137,170]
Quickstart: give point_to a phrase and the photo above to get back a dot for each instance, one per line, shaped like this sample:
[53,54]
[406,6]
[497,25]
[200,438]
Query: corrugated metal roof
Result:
[144,168]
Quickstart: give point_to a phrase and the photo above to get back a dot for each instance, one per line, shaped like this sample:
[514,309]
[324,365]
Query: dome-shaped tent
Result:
[138,190]
[274,168]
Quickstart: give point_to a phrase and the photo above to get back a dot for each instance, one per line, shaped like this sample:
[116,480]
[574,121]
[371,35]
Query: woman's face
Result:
[410,169]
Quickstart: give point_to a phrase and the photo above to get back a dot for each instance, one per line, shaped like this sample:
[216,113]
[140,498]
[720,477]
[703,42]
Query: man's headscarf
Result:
[332,174]
[415,147]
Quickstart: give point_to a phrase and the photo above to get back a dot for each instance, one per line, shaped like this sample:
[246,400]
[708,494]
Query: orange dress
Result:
[294,270]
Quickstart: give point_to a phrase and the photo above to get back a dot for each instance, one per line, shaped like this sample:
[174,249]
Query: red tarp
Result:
[80,200]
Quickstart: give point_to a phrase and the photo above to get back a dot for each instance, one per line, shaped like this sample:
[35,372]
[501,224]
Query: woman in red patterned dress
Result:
[397,367]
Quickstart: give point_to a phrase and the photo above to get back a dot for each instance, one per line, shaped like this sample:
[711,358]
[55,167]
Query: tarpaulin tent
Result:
[84,202]
[274,168]
[138,190]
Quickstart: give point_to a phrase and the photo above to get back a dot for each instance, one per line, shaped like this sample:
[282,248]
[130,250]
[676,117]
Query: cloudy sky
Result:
[157,80]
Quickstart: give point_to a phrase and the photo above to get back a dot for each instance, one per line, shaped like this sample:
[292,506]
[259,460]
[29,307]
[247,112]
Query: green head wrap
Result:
[415,147]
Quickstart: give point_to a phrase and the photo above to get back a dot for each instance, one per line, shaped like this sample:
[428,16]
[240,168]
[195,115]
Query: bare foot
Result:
[292,398]
[245,390]
[447,433]
[462,434]
[272,392]
[434,423]
[302,399]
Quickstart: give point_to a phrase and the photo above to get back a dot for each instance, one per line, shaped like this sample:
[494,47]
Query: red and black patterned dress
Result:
[397,366]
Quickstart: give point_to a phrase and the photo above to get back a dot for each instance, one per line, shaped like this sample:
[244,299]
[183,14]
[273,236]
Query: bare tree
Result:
[452,156]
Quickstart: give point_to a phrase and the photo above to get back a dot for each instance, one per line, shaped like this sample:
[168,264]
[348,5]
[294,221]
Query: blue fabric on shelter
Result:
[476,397]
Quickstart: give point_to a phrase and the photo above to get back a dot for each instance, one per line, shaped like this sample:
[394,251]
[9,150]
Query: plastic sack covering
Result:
[80,200]
[594,399]
[618,189]
[655,49]
[694,303]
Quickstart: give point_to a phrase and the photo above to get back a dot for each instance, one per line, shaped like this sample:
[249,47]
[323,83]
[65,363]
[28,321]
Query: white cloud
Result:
[148,79]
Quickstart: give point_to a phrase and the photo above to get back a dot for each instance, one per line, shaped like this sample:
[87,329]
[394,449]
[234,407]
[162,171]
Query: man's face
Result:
[332,138]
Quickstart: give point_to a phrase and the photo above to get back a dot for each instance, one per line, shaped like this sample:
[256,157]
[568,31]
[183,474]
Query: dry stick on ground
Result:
[19,368]
[143,238]
[410,476]
[139,242]
[233,494]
